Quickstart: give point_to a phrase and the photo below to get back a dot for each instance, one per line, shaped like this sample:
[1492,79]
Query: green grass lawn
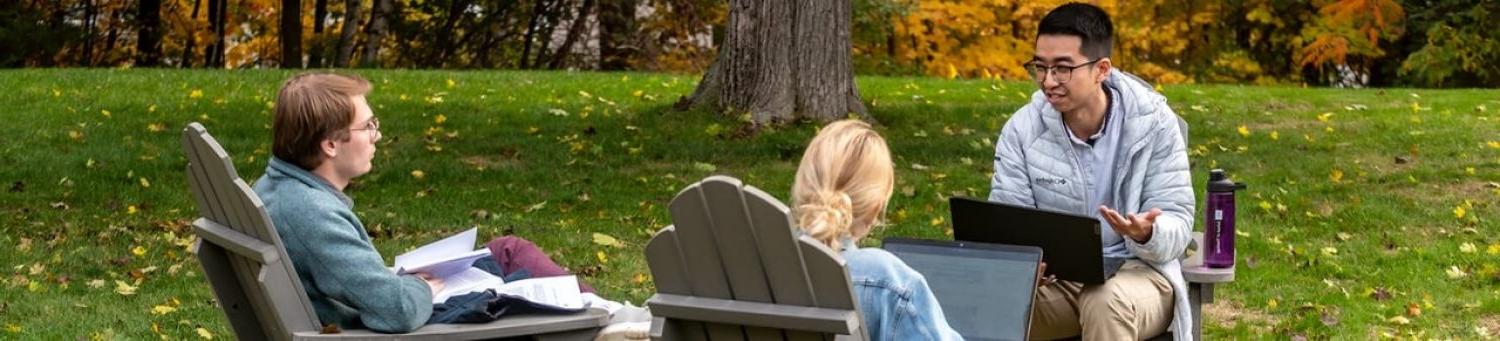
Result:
[1369,213]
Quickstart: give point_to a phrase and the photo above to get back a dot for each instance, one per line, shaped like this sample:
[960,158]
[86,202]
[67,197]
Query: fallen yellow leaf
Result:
[419,174]
[1337,175]
[195,93]
[162,310]
[203,333]
[602,257]
[1244,130]
[123,288]
[607,240]
[1468,248]
[138,250]
[440,118]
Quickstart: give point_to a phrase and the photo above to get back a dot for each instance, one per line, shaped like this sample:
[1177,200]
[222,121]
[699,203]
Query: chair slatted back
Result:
[242,256]
[734,242]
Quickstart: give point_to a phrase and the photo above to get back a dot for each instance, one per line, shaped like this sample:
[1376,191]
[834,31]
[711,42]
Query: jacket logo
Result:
[1052,181]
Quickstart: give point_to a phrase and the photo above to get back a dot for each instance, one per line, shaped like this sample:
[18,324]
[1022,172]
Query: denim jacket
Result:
[895,300]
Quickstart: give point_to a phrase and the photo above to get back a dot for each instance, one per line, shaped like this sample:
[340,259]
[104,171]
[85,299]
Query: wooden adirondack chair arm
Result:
[581,326]
[836,321]
[234,241]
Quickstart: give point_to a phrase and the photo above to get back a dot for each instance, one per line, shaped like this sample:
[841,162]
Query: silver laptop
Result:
[985,289]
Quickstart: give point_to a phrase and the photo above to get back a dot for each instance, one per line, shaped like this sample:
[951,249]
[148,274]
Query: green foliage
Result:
[1459,51]
[25,41]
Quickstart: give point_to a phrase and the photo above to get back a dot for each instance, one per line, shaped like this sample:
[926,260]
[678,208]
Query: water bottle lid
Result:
[1217,182]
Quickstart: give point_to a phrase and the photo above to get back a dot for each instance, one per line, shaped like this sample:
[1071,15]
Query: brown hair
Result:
[310,108]
[843,183]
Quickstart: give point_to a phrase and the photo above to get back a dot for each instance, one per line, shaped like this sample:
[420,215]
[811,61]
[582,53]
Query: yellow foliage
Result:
[976,38]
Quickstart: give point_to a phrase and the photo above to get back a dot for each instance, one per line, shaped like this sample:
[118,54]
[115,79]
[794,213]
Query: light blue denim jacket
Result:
[895,300]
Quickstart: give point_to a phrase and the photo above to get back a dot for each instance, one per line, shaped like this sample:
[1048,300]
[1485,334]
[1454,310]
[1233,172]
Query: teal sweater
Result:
[345,278]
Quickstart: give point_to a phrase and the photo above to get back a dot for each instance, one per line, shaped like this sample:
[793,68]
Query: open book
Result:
[451,259]
[442,258]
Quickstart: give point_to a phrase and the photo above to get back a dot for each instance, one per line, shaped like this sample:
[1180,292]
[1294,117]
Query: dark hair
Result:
[311,107]
[1085,21]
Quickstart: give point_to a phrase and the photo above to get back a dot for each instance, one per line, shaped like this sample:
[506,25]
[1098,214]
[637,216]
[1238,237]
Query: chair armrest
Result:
[1207,275]
[235,241]
[507,326]
[823,320]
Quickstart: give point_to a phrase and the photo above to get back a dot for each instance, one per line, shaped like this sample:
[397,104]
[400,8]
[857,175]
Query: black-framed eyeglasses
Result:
[1061,73]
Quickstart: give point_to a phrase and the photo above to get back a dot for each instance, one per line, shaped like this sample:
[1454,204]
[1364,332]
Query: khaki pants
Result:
[1135,304]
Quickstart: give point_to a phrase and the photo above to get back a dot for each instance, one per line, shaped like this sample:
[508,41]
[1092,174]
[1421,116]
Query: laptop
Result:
[1071,242]
[985,289]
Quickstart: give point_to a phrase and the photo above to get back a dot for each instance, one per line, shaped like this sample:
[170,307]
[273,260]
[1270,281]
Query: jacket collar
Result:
[277,169]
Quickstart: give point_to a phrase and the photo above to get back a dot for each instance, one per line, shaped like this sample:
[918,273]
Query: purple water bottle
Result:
[1219,223]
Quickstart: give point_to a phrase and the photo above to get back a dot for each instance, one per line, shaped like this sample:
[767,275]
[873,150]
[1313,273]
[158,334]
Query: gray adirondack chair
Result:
[731,268]
[256,285]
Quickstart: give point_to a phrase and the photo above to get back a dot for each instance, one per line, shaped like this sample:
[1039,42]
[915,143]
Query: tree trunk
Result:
[375,33]
[213,26]
[90,23]
[580,17]
[445,38]
[291,34]
[346,38]
[315,49]
[192,36]
[218,14]
[531,28]
[617,30]
[148,41]
[782,60]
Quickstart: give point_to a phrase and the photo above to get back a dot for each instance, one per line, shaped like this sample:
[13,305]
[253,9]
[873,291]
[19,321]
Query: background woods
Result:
[1433,43]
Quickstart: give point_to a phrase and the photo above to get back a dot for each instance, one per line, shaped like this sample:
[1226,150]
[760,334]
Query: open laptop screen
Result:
[985,289]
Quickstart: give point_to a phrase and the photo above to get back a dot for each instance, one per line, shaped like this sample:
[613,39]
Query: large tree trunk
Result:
[782,60]
[375,33]
[148,41]
[346,38]
[291,34]
[617,31]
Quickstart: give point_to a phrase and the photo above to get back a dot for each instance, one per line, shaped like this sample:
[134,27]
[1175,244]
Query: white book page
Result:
[457,247]
[560,291]
[466,281]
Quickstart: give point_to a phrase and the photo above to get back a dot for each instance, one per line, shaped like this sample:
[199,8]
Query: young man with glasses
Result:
[323,136]
[1099,142]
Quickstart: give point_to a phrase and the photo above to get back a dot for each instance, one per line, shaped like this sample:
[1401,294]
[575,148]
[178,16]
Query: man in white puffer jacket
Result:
[1099,142]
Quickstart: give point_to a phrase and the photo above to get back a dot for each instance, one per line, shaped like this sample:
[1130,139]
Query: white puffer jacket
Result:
[1035,166]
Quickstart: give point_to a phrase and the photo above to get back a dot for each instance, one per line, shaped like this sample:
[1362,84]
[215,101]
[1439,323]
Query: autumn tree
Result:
[782,60]
[1346,41]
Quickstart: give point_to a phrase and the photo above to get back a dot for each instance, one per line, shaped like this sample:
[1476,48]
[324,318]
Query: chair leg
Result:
[1198,294]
